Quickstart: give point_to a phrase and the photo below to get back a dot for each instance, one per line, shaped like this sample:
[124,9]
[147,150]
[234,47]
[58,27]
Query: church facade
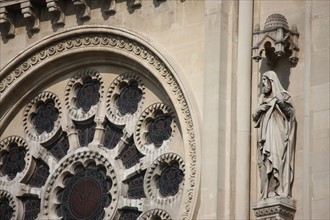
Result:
[142,109]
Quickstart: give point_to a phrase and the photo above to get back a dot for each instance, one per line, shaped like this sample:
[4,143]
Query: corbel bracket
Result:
[137,4]
[112,7]
[53,6]
[87,11]
[29,13]
[275,41]
[5,19]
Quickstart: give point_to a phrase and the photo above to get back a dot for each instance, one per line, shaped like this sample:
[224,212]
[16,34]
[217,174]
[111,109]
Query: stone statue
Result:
[275,119]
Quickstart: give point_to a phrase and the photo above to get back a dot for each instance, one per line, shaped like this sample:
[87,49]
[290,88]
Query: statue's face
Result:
[266,86]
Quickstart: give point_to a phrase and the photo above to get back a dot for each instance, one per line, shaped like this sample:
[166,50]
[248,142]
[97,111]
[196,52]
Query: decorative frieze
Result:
[32,11]
[276,208]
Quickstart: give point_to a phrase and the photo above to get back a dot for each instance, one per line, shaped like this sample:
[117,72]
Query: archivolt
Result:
[101,43]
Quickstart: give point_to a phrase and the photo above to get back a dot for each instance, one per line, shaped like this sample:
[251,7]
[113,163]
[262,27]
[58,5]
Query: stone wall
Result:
[200,40]
[308,83]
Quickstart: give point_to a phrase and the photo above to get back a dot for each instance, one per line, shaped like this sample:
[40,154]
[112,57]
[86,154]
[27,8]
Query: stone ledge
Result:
[279,208]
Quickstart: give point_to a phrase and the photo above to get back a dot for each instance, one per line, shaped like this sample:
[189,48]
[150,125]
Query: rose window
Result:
[85,194]
[99,146]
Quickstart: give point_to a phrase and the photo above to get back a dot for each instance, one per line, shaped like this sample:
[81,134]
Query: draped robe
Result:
[276,141]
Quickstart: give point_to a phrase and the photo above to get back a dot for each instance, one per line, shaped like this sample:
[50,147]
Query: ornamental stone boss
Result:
[275,119]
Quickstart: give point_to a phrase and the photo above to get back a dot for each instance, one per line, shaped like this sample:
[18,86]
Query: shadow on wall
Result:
[282,69]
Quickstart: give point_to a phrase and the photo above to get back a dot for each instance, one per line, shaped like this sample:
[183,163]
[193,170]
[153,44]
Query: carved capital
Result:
[5,19]
[87,10]
[29,13]
[53,6]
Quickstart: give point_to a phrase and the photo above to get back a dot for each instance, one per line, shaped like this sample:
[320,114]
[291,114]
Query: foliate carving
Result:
[154,214]
[87,11]
[69,174]
[29,12]
[155,126]
[83,93]
[5,19]
[42,116]
[8,205]
[54,6]
[125,98]
[15,157]
[164,179]
[129,47]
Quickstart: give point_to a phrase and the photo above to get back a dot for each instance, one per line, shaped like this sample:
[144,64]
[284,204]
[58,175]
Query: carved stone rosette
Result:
[143,128]
[276,208]
[77,89]
[46,108]
[115,94]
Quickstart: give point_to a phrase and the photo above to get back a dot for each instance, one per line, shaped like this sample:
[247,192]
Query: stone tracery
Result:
[126,141]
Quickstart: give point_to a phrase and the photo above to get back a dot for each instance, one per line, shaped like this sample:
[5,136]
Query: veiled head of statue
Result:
[266,86]
[276,87]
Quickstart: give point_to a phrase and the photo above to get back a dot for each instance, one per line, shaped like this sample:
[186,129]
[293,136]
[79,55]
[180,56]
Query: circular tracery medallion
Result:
[129,99]
[85,195]
[13,161]
[88,95]
[45,117]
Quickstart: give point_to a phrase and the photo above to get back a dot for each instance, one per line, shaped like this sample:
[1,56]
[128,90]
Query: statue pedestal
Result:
[277,208]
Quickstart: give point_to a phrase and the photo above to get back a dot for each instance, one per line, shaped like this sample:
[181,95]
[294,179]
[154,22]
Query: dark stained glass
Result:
[112,136]
[6,212]
[85,195]
[129,214]
[85,133]
[60,147]
[88,94]
[40,174]
[45,117]
[13,161]
[130,156]
[135,187]
[160,129]
[129,98]
[31,207]
[169,180]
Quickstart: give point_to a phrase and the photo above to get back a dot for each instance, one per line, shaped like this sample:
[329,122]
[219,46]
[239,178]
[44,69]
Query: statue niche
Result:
[275,120]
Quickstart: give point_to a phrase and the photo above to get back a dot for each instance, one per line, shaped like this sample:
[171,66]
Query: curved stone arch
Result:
[104,41]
